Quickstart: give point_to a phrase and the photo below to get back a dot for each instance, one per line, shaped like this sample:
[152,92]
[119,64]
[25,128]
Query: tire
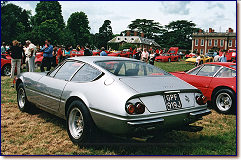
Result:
[169,59]
[23,103]
[80,125]
[224,101]
[6,70]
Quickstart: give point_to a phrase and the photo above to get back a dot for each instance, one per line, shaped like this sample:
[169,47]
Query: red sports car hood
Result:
[155,84]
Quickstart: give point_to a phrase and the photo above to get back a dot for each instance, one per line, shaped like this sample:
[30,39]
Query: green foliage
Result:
[105,34]
[48,10]
[14,22]
[78,25]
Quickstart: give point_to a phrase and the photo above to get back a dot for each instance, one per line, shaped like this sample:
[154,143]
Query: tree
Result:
[105,34]
[78,25]
[178,33]
[48,10]
[148,27]
[14,22]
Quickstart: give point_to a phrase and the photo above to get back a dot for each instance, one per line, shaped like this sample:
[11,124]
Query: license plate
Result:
[172,101]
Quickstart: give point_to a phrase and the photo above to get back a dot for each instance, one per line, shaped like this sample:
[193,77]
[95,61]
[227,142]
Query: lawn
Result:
[40,133]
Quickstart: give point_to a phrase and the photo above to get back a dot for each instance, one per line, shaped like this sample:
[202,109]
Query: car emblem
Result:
[187,99]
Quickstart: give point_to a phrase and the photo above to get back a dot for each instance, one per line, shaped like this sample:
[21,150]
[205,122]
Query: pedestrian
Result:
[3,48]
[67,52]
[103,53]
[223,58]
[47,56]
[16,53]
[216,58]
[54,63]
[78,48]
[152,57]
[87,51]
[144,55]
[60,54]
[198,59]
[30,53]
[138,54]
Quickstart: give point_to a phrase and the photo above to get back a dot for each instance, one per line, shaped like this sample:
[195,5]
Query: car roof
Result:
[226,64]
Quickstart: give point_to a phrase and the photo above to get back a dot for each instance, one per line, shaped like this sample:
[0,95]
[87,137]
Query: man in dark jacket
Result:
[47,56]
[15,52]
[87,51]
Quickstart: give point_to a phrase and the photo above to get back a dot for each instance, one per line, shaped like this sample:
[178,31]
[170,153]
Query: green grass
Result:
[40,133]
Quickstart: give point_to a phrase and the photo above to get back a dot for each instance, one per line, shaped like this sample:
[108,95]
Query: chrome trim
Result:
[171,92]
[146,122]
[205,112]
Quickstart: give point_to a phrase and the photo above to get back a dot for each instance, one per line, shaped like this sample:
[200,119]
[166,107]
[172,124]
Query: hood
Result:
[155,84]
[161,57]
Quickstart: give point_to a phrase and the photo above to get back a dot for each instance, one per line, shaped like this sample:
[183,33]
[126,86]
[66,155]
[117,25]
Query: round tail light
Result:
[130,109]
[140,108]
[201,100]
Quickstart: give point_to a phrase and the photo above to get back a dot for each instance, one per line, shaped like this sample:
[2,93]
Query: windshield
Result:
[131,68]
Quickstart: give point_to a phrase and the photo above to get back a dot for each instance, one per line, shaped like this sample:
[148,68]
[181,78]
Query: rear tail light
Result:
[201,100]
[137,108]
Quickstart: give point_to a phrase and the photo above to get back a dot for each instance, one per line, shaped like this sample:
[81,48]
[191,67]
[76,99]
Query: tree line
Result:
[48,23]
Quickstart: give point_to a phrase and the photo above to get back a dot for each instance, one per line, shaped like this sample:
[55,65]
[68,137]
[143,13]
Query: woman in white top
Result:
[144,55]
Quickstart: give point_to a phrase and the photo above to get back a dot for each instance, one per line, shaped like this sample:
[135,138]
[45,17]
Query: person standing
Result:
[67,52]
[103,53]
[3,48]
[144,55]
[16,53]
[30,53]
[47,56]
[216,58]
[54,63]
[60,54]
[87,51]
[152,57]
[223,58]
[198,60]
[138,54]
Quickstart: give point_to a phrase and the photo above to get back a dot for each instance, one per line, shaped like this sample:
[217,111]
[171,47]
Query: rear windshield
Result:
[131,68]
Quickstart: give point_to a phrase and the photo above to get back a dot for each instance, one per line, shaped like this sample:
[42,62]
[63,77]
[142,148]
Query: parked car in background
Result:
[86,92]
[5,65]
[96,52]
[204,59]
[115,53]
[217,81]
[170,56]
[190,55]
[76,53]
[230,55]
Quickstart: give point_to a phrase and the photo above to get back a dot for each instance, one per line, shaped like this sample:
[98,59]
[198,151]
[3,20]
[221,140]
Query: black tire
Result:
[6,70]
[169,59]
[23,103]
[77,109]
[224,101]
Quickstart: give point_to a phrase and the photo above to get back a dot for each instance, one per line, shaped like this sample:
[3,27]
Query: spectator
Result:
[103,53]
[152,58]
[157,51]
[198,60]
[223,58]
[16,53]
[216,58]
[87,51]
[47,56]
[78,48]
[144,55]
[60,54]
[54,63]
[67,52]
[138,54]
[3,48]
[30,53]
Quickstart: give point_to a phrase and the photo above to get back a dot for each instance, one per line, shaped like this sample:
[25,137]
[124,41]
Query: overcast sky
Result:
[219,15]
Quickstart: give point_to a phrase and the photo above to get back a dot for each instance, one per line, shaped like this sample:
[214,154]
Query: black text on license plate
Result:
[172,101]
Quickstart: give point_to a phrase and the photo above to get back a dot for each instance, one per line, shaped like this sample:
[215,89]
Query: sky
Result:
[219,15]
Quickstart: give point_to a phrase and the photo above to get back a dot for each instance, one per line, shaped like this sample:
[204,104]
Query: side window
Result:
[67,70]
[194,71]
[86,74]
[208,70]
[226,72]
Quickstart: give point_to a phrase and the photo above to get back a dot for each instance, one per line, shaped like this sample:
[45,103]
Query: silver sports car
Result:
[118,95]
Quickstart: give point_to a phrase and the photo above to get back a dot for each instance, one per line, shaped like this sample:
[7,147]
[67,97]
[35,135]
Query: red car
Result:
[230,55]
[39,57]
[115,53]
[217,81]
[191,55]
[96,52]
[170,56]
[76,53]
[5,65]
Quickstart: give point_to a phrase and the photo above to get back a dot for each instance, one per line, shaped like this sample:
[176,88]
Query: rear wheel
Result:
[6,70]
[79,123]
[23,103]
[224,101]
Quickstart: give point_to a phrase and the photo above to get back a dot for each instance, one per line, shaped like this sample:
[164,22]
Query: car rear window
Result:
[131,68]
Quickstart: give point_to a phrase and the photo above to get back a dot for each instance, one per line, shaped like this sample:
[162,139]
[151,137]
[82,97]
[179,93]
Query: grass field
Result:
[40,133]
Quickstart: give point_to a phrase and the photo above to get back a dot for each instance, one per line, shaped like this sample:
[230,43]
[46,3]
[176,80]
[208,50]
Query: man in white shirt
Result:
[198,59]
[144,55]
[30,55]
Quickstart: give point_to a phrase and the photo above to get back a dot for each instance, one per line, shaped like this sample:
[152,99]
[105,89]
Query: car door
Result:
[202,77]
[53,84]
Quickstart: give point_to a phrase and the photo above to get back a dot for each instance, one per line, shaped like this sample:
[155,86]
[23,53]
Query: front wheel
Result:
[23,103]
[224,101]
[7,70]
[79,123]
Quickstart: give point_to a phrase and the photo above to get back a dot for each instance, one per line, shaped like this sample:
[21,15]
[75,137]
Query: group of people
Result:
[216,58]
[145,56]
